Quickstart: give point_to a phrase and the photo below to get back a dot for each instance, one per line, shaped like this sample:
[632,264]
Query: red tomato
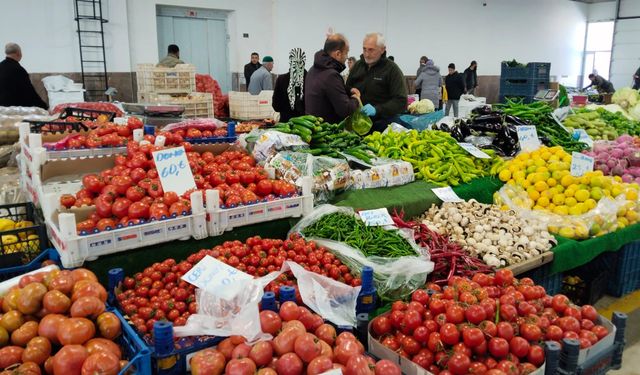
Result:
[498,347]
[503,277]
[69,359]
[138,210]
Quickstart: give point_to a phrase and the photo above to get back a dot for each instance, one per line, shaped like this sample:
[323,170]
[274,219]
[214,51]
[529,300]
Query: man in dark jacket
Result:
[471,77]
[288,92]
[251,67]
[15,87]
[381,82]
[326,95]
[602,85]
[454,82]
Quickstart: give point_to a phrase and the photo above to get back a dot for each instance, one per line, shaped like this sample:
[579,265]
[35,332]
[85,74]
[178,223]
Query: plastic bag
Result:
[394,278]
[358,122]
[266,143]
[199,123]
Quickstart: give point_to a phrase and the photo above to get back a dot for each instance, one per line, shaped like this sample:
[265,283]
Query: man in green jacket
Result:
[173,57]
[380,81]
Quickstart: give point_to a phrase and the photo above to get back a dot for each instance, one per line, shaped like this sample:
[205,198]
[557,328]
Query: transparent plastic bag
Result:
[394,278]
[264,144]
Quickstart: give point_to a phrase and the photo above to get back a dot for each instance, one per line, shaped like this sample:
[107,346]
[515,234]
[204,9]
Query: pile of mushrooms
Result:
[498,237]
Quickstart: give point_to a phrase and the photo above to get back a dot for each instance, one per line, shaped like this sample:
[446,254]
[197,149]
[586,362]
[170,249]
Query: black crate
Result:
[52,127]
[19,246]
[586,284]
[534,70]
[84,114]
[527,87]
[542,276]
[625,270]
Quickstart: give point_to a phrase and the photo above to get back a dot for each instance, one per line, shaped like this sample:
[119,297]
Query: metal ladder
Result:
[90,29]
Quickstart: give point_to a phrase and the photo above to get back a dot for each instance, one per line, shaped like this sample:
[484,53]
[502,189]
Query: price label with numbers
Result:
[581,164]
[173,170]
[376,217]
[528,138]
[213,275]
[446,194]
[473,150]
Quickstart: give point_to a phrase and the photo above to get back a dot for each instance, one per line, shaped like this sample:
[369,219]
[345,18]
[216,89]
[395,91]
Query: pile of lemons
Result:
[15,238]
[545,183]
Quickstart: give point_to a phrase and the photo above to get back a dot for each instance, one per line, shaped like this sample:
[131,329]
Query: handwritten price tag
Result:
[174,171]
[446,194]
[473,150]
[376,217]
[580,164]
[583,137]
[213,275]
[528,138]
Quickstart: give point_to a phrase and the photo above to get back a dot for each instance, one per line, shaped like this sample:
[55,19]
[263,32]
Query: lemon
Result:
[617,178]
[533,194]
[567,232]
[581,232]
[570,201]
[552,182]
[590,204]
[526,184]
[558,199]
[537,177]
[575,211]
[569,192]
[539,163]
[543,201]
[551,207]
[566,180]
[545,155]
[616,190]
[537,208]
[530,177]
[596,193]
[557,175]
[632,216]
[567,159]
[561,210]
[582,195]
[631,195]
[504,175]
[542,169]
[559,189]
[518,174]
[541,186]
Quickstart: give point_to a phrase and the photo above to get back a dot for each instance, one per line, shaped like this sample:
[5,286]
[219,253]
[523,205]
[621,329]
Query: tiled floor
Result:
[630,305]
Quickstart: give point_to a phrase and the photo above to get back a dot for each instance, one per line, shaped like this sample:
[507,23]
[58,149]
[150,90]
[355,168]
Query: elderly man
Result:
[173,57]
[261,78]
[15,86]
[326,94]
[380,81]
[602,85]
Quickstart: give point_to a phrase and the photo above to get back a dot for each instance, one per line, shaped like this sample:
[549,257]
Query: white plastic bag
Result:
[265,143]
[56,83]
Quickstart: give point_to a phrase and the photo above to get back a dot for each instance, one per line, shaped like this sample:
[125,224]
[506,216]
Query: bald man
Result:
[15,86]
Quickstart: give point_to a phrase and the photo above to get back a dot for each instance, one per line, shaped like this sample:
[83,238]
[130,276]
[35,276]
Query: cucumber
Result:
[304,123]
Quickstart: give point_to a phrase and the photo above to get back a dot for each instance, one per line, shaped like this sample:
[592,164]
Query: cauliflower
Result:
[634,112]
[626,97]
[421,107]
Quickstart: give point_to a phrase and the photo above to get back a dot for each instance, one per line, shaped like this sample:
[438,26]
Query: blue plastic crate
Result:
[542,276]
[422,122]
[534,70]
[133,348]
[525,98]
[11,272]
[528,87]
[625,269]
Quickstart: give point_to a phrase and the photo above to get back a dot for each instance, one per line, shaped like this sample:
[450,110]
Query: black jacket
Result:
[325,93]
[280,101]
[248,71]
[455,86]
[383,85]
[16,88]
[471,78]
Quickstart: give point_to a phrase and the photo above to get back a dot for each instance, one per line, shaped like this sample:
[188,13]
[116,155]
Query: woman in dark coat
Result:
[288,93]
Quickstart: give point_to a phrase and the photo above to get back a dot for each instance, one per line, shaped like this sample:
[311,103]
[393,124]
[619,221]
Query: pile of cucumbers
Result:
[326,139]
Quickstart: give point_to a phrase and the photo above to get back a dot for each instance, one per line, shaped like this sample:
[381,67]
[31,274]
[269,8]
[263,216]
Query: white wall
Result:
[602,11]
[46,31]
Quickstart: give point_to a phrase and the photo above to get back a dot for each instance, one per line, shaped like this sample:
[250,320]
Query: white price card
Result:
[473,150]
[212,275]
[583,137]
[446,194]
[528,137]
[377,217]
[173,170]
[580,164]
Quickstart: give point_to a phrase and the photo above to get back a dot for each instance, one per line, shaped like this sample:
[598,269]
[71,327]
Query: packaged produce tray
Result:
[23,235]
[244,106]
[151,78]
[74,248]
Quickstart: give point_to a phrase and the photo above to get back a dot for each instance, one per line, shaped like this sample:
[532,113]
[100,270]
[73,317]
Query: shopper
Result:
[454,82]
[602,85]
[423,64]
[325,92]
[350,62]
[15,86]
[380,81]
[261,78]
[636,80]
[288,92]
[173,57]
[251,67]
[429,82]
[471,78]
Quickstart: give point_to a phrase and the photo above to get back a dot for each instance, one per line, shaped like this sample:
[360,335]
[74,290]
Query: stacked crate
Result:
[173,86]
[524,82]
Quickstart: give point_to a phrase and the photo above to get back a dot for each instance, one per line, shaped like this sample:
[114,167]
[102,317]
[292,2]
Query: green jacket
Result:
[170,61]
[382,85]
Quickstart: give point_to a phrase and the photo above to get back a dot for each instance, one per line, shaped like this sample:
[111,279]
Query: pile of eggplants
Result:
[498,128]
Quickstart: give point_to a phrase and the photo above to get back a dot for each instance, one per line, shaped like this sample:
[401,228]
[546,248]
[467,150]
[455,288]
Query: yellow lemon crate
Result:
[23,235]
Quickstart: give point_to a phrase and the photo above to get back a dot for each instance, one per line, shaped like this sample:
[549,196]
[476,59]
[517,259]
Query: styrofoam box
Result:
[74,249]
[600,346]
[244,106]
[60,97]
[406,365]
[151,78]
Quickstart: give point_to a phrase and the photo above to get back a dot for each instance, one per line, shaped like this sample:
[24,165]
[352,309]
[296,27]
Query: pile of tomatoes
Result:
[302,344]
[195,133]
[130,193]
[487,325]
[56,321]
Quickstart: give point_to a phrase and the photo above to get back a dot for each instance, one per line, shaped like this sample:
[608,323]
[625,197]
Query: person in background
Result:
[326,95]
[454,82]
[380,81]
[261,78]
[288,92]
[15,86]
[636,80]
[471,77]
[251,67]
[173,57]
[430,82]
[392,58]
[423,64]
[602,85]
[350,62]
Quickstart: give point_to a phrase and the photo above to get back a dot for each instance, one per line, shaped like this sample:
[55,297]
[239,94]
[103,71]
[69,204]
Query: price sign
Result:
[583,137]
[473,150]
[173,170]
[213,275]
[528,138]
[446,194]
[580,164]
[376,217]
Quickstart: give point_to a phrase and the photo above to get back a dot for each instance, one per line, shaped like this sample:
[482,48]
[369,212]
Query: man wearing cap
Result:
[261,78]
